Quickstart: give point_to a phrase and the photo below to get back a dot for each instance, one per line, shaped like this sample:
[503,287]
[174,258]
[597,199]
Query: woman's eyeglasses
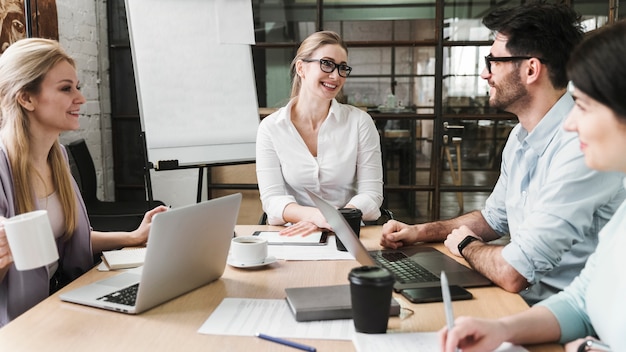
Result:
[328,66]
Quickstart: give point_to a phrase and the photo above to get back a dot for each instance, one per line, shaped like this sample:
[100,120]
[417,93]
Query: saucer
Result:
[269,260]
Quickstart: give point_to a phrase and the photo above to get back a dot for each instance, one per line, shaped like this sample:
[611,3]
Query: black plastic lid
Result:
[370,275]
[350,211]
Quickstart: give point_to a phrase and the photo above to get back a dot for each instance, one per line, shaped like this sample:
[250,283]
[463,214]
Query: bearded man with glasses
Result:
[549,202]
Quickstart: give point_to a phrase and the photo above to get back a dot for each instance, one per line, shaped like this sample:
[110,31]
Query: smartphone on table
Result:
[433,294]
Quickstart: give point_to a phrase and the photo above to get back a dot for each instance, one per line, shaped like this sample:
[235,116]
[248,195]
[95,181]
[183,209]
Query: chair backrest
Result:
[86,169]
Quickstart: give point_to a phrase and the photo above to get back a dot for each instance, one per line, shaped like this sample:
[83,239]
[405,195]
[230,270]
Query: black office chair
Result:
[385,215]
[103,215]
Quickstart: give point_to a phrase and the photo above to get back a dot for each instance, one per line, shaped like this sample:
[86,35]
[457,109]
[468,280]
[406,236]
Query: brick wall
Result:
[83,34]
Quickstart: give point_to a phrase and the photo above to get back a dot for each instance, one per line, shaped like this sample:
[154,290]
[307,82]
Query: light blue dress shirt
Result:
[594,303]
[551,203]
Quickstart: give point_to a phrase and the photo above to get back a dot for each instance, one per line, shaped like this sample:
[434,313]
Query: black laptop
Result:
[413,266]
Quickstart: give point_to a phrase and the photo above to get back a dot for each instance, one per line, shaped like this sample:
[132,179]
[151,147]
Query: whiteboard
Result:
[195,80]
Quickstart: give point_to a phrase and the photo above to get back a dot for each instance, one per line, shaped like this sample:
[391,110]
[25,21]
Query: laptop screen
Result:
[343,230]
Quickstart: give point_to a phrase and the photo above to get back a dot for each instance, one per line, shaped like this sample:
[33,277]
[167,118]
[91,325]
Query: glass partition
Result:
[441,142]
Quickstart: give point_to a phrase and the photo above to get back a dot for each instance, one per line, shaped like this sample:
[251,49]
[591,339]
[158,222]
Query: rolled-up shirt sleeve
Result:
[495,211]
[569,309]
[566,213]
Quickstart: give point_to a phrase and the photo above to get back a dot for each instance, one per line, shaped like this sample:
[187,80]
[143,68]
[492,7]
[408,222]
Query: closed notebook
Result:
[325,303]
[124,258]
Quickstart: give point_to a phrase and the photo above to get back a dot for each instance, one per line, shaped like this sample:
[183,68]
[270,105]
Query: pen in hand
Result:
[286,342]
[447,301]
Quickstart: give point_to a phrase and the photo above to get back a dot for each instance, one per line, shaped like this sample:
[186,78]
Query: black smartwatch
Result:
[467,240]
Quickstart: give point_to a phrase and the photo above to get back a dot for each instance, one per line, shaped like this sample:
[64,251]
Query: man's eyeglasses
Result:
[489,59]
[328,66]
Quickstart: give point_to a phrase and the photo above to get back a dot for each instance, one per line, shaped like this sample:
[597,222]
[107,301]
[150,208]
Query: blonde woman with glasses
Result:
[315,143]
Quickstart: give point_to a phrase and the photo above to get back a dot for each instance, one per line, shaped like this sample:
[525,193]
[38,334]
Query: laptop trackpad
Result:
[436,262]
[121,280]
[457,273]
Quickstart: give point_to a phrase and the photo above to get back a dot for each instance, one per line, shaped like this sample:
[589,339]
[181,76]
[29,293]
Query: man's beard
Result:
[509,92]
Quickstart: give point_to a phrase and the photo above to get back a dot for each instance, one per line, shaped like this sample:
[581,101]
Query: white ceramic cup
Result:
[31,240]
[248,250]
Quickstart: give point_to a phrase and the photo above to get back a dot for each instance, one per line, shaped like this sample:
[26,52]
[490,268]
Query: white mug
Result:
[248,250]
[31,240]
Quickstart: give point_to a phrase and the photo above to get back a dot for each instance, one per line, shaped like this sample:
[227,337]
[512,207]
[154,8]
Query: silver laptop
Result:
[187,248]
[427,261]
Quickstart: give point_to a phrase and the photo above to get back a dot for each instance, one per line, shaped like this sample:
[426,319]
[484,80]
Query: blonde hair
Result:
[307,48]
[23,67]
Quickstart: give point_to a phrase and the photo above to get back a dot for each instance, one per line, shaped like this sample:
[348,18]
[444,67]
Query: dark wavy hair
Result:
[546,31]
[597,67]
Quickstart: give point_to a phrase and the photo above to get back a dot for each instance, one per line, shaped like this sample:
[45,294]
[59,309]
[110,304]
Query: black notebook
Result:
[325,303]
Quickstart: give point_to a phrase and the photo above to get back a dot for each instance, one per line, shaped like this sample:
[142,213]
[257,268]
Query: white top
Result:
[348,167]
[52,204]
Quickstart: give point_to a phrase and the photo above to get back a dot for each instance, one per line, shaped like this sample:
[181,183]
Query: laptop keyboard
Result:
[403,268]
[126,296]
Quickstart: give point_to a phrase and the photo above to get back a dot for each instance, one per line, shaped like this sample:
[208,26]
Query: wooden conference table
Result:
[59,326]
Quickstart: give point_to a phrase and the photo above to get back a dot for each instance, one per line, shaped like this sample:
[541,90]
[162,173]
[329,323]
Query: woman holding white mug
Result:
[39,99]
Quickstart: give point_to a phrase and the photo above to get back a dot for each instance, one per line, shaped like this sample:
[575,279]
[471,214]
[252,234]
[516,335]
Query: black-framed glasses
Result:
[329,66]
[489,59]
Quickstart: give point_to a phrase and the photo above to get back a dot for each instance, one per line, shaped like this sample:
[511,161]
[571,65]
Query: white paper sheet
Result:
[416,341]
[327,252]
[246,317]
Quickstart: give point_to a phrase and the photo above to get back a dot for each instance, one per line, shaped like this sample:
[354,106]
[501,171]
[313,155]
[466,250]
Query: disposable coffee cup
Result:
[31,240]
[248,250]
[353,218]
[370,292]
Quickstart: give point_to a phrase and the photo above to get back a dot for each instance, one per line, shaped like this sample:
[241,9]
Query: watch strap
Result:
[467,240]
